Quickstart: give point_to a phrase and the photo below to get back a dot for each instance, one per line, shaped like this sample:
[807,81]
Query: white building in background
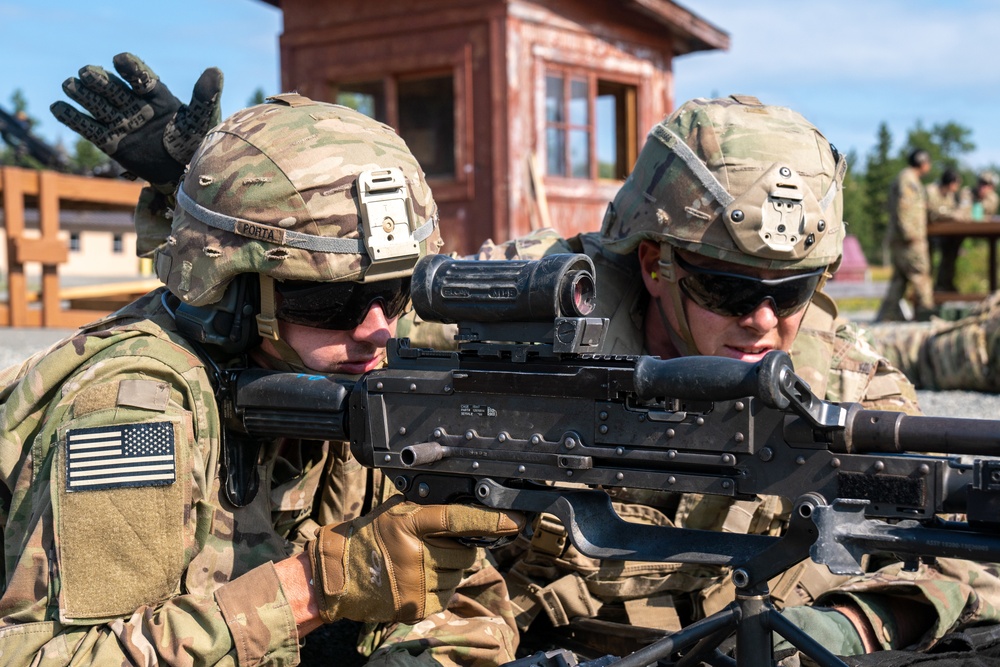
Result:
[101,246]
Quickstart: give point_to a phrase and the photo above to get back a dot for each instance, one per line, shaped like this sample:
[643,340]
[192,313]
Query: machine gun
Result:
[528,415]
[17,134]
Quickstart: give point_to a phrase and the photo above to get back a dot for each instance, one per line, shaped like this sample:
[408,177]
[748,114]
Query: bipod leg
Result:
[758,619]
[754,646]
[707,650]
[719,624]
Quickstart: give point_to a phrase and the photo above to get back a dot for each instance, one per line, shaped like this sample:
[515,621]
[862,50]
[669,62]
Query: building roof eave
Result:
[692,33]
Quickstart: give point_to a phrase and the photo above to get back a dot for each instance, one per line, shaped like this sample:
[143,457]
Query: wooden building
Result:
[523,113]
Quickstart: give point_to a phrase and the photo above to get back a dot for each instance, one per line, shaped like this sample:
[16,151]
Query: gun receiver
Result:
[527,415]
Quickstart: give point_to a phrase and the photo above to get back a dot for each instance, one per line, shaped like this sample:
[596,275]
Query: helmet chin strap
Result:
[683,341]
[267,327]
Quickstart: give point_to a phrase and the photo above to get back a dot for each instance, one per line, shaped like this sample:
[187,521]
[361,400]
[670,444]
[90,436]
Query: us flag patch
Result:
[120,456]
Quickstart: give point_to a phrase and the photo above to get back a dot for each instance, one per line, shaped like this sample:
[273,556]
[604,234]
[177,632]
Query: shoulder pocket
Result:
[120,490]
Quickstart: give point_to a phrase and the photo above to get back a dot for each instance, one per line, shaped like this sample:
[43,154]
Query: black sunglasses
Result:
[339,306]
[735,295]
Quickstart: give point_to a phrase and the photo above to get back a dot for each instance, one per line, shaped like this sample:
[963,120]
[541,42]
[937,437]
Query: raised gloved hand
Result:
[402,562]
[140,124]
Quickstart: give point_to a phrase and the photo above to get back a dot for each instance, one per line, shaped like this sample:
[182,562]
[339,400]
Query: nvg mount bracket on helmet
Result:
[388,221]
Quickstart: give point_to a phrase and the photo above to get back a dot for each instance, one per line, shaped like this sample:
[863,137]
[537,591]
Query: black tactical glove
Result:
[141,124]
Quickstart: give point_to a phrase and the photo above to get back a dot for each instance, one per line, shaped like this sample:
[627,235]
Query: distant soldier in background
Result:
[977,203]
[980,201]
[907,239]
[942,196]
[943,355]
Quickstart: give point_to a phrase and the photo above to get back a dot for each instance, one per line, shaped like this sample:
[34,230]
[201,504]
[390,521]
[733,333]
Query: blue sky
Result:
[49,40]
[846,65]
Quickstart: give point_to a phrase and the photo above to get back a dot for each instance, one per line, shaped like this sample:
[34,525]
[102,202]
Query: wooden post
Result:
[53,191]
[13,206]
[48,211]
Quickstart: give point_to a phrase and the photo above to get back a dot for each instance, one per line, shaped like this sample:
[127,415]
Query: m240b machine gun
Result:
[528,415]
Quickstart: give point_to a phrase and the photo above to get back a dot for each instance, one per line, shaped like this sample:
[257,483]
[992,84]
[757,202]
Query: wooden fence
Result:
[50,192]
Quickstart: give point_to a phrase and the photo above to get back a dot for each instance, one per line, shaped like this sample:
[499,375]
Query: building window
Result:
[587,117]
[368,97]
[117,245]
[423,112]
[74,241]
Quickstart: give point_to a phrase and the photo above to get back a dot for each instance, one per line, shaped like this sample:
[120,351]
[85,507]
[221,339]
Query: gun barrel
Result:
[885,431]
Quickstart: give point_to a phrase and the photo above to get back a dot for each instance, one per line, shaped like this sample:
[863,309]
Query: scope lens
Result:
[582,294]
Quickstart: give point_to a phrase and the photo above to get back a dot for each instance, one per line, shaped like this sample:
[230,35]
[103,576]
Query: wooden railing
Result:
[51,192]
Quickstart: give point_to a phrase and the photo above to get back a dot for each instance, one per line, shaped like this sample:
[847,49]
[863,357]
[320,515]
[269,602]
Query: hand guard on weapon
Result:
[402,562]
[137,121]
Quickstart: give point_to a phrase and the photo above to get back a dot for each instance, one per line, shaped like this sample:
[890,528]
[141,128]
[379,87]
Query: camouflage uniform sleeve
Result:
[991,202]
[881,386]
[108,573]
[940,355]
[911,210]
[838,361]
[953,594]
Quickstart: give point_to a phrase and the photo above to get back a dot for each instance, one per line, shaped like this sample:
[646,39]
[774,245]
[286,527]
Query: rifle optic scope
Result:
[454,290]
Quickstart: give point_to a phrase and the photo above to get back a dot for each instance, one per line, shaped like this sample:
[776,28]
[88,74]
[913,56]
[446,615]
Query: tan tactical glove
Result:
[402,562]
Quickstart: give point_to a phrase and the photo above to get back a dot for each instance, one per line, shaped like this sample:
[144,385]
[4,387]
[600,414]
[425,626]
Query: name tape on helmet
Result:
[283,237]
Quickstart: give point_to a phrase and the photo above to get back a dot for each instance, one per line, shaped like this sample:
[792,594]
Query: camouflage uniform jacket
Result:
[942,355]
[546,575]
[987,206]
[907,210]
[941,205]
[166,571]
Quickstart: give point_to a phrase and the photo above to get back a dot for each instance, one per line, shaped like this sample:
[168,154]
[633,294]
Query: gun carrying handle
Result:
[714,378]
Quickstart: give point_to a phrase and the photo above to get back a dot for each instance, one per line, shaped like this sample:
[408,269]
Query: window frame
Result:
[627,137]
[391,72]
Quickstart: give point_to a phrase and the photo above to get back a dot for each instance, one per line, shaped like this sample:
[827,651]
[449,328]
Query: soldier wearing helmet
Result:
[719,243]
[906,236]
[139,526]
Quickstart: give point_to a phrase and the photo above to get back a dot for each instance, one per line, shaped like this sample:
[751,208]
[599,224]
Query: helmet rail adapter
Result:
[295,189]
[734,180]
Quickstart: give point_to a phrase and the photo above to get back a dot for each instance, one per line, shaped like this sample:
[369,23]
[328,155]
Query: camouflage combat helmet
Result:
[738,181]
[295,189]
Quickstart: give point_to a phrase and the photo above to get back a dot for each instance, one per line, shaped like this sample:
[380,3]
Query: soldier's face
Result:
[351,351]
[745,337]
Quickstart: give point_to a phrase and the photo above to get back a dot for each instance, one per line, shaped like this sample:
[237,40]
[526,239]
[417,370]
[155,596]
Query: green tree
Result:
[258,97]
[855,198]
[88,158]
[19,106]
[880,170]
